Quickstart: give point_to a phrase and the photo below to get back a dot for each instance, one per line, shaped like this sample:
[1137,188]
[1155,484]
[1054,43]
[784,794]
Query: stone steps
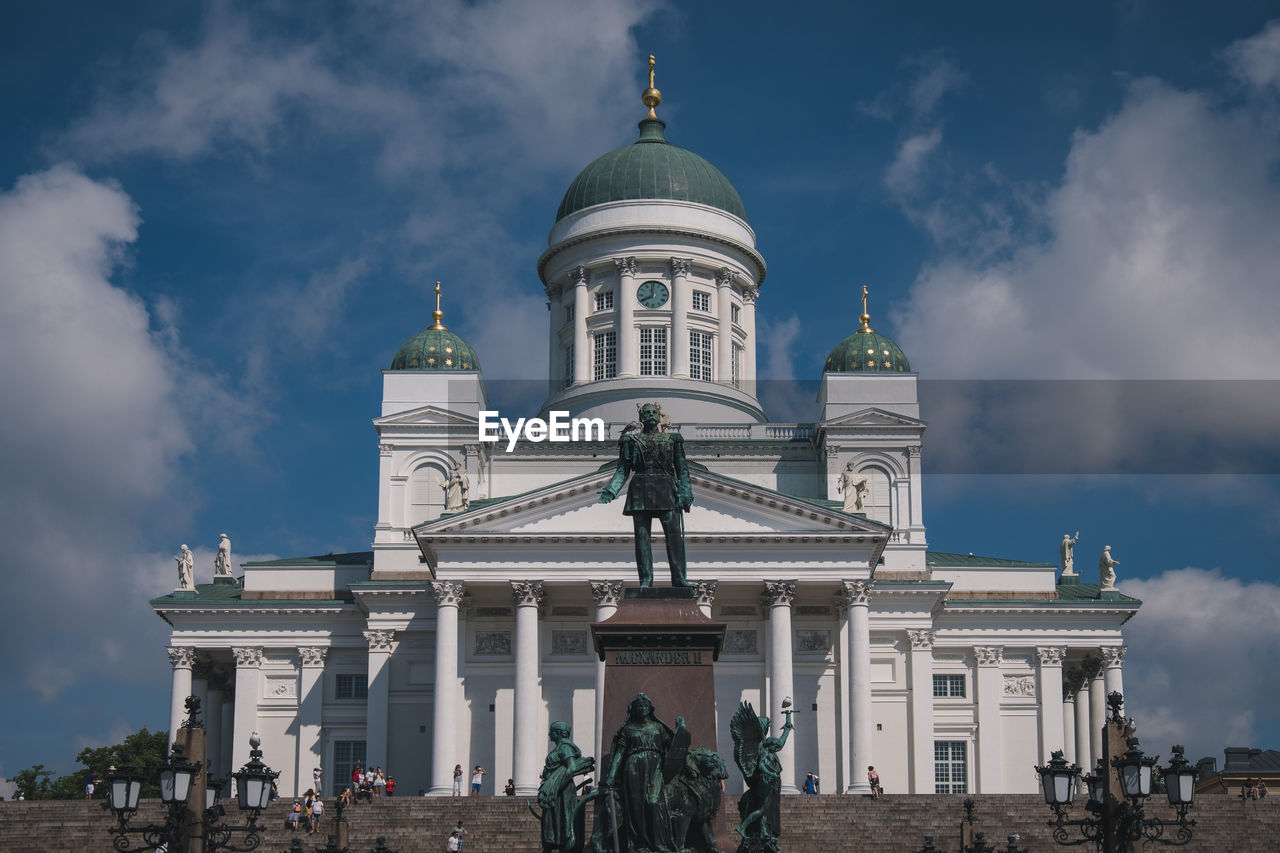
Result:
[829,822]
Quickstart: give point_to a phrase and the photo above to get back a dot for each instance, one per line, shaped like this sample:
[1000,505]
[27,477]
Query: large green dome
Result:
[651,168]
[866,351]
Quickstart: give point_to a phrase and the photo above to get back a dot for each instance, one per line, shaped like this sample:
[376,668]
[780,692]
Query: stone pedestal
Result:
[660,643]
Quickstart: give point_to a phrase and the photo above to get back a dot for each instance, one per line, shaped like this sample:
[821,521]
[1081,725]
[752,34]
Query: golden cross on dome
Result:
[865,318]
[437,315]
[651,97]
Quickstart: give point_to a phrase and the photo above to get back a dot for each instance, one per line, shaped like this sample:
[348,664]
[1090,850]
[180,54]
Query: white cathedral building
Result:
[464,632]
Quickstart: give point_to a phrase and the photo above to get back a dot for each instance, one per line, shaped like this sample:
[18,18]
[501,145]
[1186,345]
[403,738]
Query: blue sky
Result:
[218,222]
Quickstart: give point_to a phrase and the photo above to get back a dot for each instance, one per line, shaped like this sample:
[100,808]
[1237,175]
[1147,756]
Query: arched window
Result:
[426,495]
[876,502]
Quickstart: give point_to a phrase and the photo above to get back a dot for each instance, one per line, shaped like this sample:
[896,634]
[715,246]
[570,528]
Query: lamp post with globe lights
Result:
[1118,789]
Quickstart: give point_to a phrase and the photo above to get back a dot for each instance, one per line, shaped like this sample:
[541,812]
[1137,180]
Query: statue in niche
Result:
[222,560]
[1067,553]
[562,820]
[456,489]
[660,795]
[186,568]
[853,487]
[1106,569]
[757,757]
[659,489]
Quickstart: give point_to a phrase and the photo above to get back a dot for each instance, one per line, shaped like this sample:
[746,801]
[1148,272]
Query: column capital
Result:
[626,266]
[921,640]
[181,657]
[247,656]
[312,655]
[1113,656]
[831,450]
[606,593]
[779,593]
[705,592]
[725,277]
[857,593]
[527,593]
[579,275]
[448,593]
[750,294]
[989,655]
[1051,655]
[380,640]
[385,449]
[681,266]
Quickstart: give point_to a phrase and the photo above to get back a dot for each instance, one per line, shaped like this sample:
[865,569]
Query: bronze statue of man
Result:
[659,489]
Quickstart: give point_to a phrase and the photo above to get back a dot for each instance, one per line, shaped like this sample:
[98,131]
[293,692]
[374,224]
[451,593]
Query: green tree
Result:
[33,783]
[145,750]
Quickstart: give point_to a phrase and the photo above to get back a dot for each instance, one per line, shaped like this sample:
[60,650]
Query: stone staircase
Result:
[894,824]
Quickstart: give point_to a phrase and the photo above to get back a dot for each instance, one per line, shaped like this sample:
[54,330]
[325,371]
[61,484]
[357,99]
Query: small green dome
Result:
[435,349]
[866,351]
[651,168]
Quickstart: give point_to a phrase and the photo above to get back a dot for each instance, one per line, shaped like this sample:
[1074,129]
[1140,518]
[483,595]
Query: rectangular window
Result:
[948,686]
[568,365]
[701,300]
[653,351]
[605,365]
[346,754]
[352,687]
[604,300]
[950,767]
[734,312]
[737,367]
[568,313]
[700,344]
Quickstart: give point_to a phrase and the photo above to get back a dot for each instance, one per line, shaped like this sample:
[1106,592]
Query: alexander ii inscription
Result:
[658,657]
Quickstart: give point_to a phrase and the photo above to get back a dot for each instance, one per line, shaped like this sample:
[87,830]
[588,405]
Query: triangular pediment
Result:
[872,417]
[723,507]
[426,416]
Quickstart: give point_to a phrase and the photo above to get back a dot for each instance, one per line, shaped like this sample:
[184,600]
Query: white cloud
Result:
[1159,260]
[904,174]
[937,77]
[1256,60]
[93,439]
[1199,656]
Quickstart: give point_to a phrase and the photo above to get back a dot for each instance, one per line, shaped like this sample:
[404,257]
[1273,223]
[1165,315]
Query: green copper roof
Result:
[651,168]
[866,352]
[947,559]
[435,349]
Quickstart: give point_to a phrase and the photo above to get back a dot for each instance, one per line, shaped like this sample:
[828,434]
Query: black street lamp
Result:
[1115,825]
[124,787]
[253,793]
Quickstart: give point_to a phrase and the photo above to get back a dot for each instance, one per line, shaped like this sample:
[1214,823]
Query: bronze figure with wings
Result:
[757,757]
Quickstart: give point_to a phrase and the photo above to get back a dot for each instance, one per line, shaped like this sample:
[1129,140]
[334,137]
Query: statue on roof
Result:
[1066,551]
[659,489]
[1106,570]
[222,561]
[853,487]
[186,568]
[456,489]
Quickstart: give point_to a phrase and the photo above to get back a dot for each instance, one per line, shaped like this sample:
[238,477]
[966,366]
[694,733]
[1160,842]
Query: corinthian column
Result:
[1097,706]
[1084,743]
[607,594]
[705,594]
[858,599]
[681,302]
[780,595]
[581,342]
[990,737]
[527,596]
[248,668]
[921,663]
[625,300]
[444,722]
[723,370]
[1113,674]
[749,295]
[1050,697]
[182,658]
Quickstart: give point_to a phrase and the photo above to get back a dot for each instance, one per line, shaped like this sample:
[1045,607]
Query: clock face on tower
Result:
[652,294]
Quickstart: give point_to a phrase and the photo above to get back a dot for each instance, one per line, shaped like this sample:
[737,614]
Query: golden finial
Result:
[865,318]
[437,315]
[651,97]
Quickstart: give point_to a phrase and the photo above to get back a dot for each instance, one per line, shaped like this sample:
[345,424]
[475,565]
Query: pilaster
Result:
[310,708]
[1049,688]
[990,737]
[921,664]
